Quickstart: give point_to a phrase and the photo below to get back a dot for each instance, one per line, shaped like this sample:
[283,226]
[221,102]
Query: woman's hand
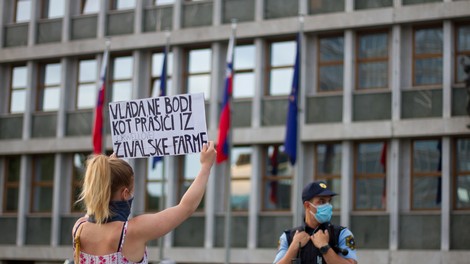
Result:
[208,155]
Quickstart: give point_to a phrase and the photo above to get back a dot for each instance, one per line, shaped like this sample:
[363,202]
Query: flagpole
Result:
[162,200]
[108,46]
[228,180]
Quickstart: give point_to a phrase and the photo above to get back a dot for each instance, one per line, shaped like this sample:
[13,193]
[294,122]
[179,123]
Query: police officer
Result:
[317,241]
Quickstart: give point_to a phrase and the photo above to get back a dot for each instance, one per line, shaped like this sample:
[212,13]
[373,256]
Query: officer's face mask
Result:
[324,212]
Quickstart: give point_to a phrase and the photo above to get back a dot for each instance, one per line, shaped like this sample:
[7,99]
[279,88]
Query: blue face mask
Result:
[120,211]
[324,212]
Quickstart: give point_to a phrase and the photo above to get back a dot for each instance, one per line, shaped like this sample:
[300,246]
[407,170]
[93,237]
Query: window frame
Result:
[10,185]
[456,173]
[41,85]
[11,88]
[39,184]
[325,177]
[78,83]
[148,181]
[243,70]
[269,67]
[267,178]
[358,176]
[186,71]
[458,53]
[420,174]
[111,80]
[423,56]
[200,210]
[358,61]
[154,78]
[241,179]
[321,64]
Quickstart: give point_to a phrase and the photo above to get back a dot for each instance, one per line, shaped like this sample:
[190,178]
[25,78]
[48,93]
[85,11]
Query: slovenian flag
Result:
[97,132]
[290,142]
[224,124]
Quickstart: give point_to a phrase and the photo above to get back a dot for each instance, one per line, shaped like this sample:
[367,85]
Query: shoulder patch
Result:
[350,242]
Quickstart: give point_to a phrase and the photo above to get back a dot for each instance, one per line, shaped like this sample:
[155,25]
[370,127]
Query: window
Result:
[244,76]
[22,11]
[190,166]
[122,78]
[426,174]
[372,60]
[277,180]
[52,8]
[328,168]
[12,184]
[49,87]
[89,7]
[155,185]
[462,51]
[427,56]
[157,66]
[86,86]
[19,78]
[79,168]
[163,2]
[42,183]
[281,67]
[241,175]
[462,174]
[122,4]
[370,176]
[199,72]
[330,63]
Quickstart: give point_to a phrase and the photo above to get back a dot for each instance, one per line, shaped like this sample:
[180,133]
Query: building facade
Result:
[383,120]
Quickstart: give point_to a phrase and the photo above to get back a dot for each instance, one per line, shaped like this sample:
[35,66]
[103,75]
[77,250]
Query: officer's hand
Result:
[320,238]
[301,237]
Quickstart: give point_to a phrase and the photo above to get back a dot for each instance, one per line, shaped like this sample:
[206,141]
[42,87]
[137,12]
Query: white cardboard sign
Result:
[159,126]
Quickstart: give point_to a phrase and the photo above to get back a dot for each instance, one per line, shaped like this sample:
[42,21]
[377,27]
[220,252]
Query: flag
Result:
[223,143]
[383,161]
[97,132]
[163,78]
[274,170]
[290,142]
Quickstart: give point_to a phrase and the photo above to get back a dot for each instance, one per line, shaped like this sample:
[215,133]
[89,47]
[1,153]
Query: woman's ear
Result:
[125,193]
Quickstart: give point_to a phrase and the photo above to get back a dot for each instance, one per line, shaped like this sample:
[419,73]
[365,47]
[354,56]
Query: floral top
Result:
[113,258]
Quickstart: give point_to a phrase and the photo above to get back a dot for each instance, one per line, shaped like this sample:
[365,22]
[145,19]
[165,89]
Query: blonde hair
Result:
[104,176]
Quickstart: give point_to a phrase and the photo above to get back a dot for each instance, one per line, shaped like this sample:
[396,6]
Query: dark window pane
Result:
[428,41]
[463,191]
[154,196]
[44,168]
[368,158]
[463,38]
[426,192]
[370,193]
[13,169]
[427,156]
[428,71]
[328,159]
[241,174]
[373,46]
[463,155]
[331,49]
[12,199]
[373,75]
[277,195]
[42,199]
[331,78]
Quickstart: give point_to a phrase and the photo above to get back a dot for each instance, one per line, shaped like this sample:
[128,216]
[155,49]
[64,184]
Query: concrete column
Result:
[23,199]
[209,210]
[56,198]
[102,19]
[255,200]
[2,180]
[67,21]
[140,189]
[217,12]
[346,181]
[30,105]
[446,194]
[171,176]
[348,76]
[141,74]
[448,68]
[259,10]
[395,82]
[393,189]
[397,3]
[177,11]
[3,20]
[138,16]
[217,87]
[64,95]
[5,94]
[348,6]
[259,71]
[303,7]
[33,25]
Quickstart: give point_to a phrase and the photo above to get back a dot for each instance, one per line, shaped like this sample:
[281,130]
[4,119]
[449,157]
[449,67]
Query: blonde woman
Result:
[105,235]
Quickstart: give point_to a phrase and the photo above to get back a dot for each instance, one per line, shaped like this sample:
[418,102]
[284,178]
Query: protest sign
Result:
[159,126]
